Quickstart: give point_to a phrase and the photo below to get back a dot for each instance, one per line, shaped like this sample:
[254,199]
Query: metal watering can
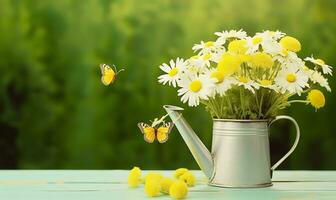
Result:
[240,155]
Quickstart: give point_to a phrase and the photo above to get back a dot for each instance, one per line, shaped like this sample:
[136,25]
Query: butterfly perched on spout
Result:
[158,130]
[108,74]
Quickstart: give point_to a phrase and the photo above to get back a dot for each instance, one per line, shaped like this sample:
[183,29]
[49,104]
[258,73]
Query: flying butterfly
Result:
[158,130]
[108,74]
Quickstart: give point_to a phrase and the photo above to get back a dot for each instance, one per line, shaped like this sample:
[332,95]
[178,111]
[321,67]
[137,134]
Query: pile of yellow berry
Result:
[157,184]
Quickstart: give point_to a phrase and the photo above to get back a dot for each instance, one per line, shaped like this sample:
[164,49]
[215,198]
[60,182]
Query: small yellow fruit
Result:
[178,190]
[153,176]
[165,184]
[152,187]
[188,178]
[179,172]
[134,177]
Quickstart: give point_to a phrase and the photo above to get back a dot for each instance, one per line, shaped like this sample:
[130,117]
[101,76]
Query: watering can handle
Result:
[295,142]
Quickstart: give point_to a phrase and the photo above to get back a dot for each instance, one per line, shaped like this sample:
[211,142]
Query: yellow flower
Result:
[153,187]
[188,178]
[178,190]
[165,184]
[153,176]
[229,64]
[179,172]
[134,177]
[262,60]
[237,46]
[290,44]
[244,58]
[316,98]
[217,75]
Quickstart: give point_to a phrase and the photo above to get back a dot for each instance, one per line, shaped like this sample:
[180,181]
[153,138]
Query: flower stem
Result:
[298,101]
[261,102]
[242,102]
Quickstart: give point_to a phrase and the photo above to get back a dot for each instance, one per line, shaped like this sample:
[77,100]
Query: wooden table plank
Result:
[111,184]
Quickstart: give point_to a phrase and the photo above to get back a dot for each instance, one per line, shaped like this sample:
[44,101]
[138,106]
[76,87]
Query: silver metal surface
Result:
[195,145]
[297,138]
[241,153]
[240,150]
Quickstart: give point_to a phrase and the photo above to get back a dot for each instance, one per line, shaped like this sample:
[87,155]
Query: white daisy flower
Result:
[196,65]
[275,35]
[266,83]
[222,83]
[292,80]
[247,83]
[206,58]
[196,61]
[173,72]
[201,61]
[208,47]
[224,35]
[266,41]
[326,69]
[317,77]
[216,56]
[252,44]
[290,61]
[271,47]
[193,89]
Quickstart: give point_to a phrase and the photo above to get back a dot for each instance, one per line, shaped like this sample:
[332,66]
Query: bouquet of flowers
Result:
[243,77]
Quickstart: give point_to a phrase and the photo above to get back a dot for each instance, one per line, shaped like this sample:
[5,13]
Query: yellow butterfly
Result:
[152,133]
[108,74]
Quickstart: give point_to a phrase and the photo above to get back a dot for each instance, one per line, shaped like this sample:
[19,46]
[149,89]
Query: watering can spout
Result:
[195,145]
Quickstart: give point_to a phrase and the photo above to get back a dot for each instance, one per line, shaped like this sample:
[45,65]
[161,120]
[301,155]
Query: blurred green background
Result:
[55,113]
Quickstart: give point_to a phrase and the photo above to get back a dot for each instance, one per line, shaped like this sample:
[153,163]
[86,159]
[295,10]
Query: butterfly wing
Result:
[148,131]
[108,75]
[163,132]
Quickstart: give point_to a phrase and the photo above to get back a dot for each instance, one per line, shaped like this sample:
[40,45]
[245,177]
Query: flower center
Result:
[218,75]
[209,44]
[265,82]
[206,56]
[257,40]
[195,86]
[291,78]
[243,79]
[237,46]
[173,72]
[320,61]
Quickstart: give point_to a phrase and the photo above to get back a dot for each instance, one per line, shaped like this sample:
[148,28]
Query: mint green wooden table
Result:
[111,184]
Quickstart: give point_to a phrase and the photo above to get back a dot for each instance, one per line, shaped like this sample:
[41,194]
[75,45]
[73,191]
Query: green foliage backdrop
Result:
[61,116]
